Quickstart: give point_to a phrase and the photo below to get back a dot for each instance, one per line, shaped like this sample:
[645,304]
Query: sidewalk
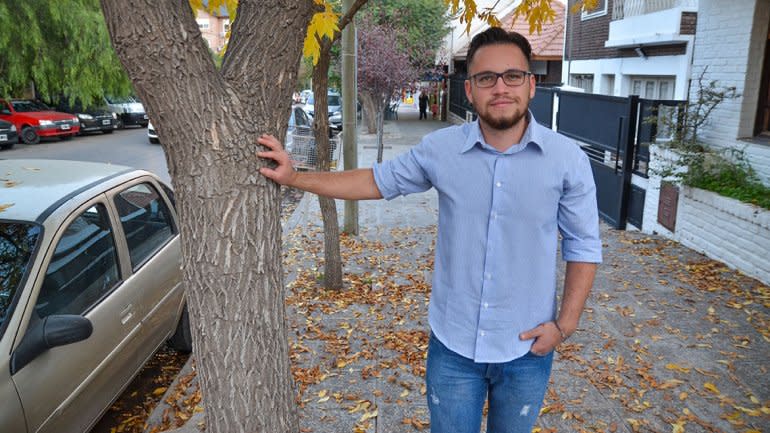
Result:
[669,341]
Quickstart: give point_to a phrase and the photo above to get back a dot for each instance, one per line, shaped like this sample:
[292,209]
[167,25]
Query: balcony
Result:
[631,8]
[638,23]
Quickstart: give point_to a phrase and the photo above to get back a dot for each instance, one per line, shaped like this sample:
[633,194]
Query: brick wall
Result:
[726,230]
[688,23]
[729,45]
[587,38]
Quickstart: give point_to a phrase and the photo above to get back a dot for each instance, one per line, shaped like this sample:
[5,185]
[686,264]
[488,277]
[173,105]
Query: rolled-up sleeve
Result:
[578,216]
[406,174]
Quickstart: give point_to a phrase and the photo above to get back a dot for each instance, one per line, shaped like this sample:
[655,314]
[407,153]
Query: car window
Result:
[334,100]
[28,106]
[301,117]
[83,267]
[146,221]
[17,244]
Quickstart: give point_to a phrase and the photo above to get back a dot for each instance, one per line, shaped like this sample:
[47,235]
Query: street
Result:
[125,147]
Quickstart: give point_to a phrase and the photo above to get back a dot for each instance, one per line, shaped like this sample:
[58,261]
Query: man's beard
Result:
[502,123]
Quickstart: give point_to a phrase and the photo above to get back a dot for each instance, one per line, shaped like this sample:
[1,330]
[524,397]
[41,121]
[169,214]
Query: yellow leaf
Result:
[5,206]
[404,393]
[711,387]
[159,391]
[323,399]
[368,415]
[678,427]
[322,394]
[323,24]
[683,395]
[676,367]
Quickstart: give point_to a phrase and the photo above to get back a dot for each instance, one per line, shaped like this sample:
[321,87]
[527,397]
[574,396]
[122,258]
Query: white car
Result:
[90,288]
[152,134]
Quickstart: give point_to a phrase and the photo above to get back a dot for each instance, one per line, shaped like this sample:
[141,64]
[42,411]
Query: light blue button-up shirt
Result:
[499,212]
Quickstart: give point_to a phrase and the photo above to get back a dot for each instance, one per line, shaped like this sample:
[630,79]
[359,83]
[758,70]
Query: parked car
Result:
[334,101]
[34,120]
[92,119]
[152,134]
[90,288]
[8,135]
[129,110]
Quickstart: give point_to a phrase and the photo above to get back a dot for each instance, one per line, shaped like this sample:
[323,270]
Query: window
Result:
[83,267]
[203,23]
[584,81]
[599,10]
[18,241]
[146,221]
[653,87]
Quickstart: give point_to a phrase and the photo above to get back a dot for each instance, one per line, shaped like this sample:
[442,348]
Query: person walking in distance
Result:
[507,187]
[423,104]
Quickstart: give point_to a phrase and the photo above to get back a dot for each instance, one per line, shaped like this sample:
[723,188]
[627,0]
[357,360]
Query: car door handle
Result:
[126,314]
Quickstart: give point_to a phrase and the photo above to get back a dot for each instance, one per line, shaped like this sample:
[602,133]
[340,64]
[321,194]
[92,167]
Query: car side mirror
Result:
[52,331]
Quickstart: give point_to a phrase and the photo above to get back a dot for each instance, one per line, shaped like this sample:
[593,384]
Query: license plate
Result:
[146,117]
[105,122]
[3,137]
[65,127]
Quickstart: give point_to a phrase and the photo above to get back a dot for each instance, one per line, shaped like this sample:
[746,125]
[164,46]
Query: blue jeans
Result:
[457,388]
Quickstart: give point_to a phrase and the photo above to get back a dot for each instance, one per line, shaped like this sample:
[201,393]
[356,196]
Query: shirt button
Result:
[499,184]
[488,276]
[494,215]
[486,304]
[482,333]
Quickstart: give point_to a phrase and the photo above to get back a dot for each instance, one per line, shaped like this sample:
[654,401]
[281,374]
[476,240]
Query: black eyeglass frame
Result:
[498,75]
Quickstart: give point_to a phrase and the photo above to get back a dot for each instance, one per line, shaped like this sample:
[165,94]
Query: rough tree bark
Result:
[370,111]
[208,121]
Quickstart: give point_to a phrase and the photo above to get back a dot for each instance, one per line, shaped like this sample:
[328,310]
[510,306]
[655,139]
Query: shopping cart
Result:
[302,150]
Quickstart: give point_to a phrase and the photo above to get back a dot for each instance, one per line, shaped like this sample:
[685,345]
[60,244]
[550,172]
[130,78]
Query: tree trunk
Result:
[380,128]
[370,111]
[332,256]
[208,121]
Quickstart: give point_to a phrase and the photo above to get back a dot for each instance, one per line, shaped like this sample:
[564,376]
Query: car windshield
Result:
[17,245]
[119,100]
[334,100]
[27,106]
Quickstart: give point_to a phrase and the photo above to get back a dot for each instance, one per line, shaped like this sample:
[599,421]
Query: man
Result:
[505,185]
[423,104]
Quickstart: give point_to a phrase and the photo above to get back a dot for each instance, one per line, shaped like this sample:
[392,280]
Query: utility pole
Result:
[349,115]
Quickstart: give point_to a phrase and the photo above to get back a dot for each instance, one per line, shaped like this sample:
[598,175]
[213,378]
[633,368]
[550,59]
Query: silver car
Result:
[90,288]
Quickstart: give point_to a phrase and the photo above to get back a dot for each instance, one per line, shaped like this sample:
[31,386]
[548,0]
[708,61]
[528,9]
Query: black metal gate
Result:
[606,128]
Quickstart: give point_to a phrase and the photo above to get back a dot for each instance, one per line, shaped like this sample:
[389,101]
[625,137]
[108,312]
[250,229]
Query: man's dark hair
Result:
[497,36]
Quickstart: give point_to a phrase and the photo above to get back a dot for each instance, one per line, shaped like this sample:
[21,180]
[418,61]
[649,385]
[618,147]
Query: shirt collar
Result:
[532,135]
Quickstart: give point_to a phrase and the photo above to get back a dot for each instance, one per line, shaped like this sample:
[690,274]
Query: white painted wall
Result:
[624,68]
[730,43]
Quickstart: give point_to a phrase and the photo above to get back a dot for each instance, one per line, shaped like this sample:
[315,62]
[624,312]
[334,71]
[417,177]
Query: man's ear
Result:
[468,91]
[532,86]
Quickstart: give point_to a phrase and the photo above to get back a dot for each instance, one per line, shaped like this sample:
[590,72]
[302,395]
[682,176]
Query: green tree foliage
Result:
[58,48]
[424,23]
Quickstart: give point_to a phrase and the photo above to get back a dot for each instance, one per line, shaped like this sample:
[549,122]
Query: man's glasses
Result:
[511,78]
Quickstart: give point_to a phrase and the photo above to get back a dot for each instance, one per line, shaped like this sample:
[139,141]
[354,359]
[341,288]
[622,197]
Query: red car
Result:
[34,120]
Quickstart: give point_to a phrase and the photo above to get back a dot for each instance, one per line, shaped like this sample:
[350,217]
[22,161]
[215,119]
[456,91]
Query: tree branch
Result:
[348,17]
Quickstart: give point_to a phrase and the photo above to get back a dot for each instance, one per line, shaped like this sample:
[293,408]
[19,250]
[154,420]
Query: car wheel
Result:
[67,137]
[7,146]
[29,136]
[181,341]
[153,141]
[108,131]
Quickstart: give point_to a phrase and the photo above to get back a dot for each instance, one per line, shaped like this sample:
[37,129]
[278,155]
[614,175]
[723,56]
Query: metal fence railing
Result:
[302,150]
